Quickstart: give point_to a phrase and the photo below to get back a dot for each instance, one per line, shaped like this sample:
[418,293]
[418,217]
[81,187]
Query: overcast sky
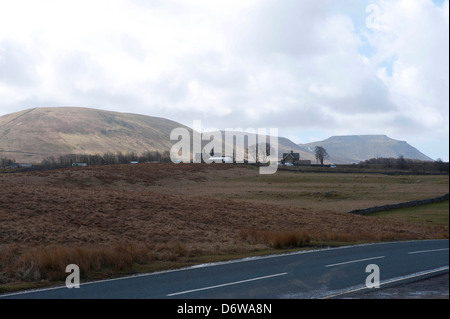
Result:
[310,68]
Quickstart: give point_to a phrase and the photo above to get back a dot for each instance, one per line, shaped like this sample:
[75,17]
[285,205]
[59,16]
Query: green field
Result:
[338,192]
[430,214]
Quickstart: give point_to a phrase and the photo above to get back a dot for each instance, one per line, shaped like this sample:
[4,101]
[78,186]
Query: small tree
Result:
[441,165]
[321,154]
[402,164]
[6,162]
[261,152]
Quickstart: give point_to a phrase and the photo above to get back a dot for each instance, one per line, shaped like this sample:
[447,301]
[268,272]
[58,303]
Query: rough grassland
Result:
[122,218]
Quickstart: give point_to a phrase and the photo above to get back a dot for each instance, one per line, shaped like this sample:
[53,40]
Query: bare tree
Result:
[261,152]
[321,154]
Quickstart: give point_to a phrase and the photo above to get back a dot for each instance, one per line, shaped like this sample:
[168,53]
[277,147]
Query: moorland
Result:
[113,220]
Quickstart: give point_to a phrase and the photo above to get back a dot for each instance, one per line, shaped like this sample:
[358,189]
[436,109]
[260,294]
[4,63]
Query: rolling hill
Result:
[34,134]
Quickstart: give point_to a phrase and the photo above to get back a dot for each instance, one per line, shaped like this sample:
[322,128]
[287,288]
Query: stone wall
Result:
[413,203]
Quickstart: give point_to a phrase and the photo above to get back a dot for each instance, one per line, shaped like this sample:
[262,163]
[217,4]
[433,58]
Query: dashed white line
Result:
[426,251]
[226,284]
[353,261]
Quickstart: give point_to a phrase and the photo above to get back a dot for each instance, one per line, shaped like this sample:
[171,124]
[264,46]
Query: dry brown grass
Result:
[115,217]
[49,262]
[275,239]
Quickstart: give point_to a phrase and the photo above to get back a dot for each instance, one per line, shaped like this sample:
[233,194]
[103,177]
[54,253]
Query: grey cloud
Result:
[211,70]
[169,87]
[290,28]
[78,64]
[403,125]
[17,64]
[297,118]
[33,101]
[108,99]
[300,118]
[372,97]
[133,47]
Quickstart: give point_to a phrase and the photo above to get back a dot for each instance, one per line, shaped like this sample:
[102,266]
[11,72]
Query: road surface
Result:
[324,273]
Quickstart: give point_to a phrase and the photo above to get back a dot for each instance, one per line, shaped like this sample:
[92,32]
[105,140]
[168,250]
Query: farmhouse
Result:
[290,158]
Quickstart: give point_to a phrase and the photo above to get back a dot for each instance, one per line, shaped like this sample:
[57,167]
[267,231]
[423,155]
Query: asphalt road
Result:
[324,273]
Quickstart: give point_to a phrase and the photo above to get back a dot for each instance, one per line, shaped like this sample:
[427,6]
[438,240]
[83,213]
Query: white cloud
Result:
[416,34]
[303,66]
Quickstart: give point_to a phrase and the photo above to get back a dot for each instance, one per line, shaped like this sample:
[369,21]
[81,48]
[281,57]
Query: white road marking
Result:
[426,251]
[418,274]
[226,284]
[353,261]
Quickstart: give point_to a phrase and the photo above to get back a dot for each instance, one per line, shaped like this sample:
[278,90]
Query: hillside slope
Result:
[33,134]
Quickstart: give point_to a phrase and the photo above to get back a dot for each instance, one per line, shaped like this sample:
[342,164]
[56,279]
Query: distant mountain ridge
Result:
[31,135]
[356,148]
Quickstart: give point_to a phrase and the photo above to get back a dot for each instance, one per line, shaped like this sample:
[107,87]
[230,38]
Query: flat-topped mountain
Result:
[356,148]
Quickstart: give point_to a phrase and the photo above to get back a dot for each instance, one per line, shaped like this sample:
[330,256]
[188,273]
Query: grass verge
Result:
[430,214]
